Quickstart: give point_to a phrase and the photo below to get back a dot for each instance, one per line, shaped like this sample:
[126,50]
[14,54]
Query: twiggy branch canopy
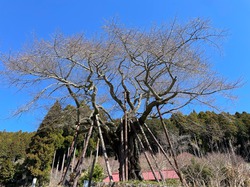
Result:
[164,67]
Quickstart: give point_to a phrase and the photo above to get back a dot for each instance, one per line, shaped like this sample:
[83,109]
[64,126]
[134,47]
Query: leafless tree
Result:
[164,68]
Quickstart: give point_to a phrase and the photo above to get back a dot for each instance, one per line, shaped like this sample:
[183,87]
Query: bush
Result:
[97,176]
[197,173]
[217,170]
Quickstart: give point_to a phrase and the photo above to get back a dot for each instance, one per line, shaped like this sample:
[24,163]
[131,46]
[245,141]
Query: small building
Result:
[148,175]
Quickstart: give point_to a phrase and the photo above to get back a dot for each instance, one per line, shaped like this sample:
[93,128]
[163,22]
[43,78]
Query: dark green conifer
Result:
[43,145]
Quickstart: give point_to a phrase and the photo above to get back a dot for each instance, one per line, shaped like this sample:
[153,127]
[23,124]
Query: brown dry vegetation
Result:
[226,170]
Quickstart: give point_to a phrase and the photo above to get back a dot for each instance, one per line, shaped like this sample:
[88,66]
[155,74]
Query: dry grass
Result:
[236,167]
[160,158]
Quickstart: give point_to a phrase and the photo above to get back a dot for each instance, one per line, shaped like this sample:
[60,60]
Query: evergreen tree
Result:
[12,154]
[243,134]
[7,171]
[43,144]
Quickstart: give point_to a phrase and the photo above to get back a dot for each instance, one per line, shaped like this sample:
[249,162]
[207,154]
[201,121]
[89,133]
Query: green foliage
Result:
[212,132]
[7,171]
[12,154]
[54,134]
[14,144]
[97,176]
[203,132]
[43,145]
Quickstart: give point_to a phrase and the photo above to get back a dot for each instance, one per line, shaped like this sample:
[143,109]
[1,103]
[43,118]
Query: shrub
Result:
[197,173]
[97,176]
[217,170]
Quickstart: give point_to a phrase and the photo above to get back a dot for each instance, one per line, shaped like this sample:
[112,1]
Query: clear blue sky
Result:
[19,20]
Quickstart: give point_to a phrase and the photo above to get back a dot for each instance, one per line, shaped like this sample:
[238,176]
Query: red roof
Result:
[148,175]
[115,177]
[167,174]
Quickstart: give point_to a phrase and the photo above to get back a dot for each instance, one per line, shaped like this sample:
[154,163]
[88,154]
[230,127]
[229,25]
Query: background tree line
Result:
[26,155]
[13,147]
[206,132]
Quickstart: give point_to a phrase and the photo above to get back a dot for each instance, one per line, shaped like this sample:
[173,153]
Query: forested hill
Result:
[196,133]
[205,132]
[209,130]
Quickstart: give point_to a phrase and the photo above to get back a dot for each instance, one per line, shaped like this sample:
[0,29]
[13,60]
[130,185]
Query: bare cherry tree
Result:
[140,73]
[164,67]
[160,71]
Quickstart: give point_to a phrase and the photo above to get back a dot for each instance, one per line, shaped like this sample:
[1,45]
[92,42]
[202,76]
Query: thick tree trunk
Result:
[134,168]
[125,127]
[133,153]
[144,152]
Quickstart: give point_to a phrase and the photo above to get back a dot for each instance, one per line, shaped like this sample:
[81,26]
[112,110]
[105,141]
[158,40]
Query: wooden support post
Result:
[57,166]
[79,165]
[151,150]
[122,165]
[52,167]
[160,147]
[104,149]
[61,173]
[144,151]
[73,161]
[178,171]
[94,161]
[70,155]
[125,138]
[68,152]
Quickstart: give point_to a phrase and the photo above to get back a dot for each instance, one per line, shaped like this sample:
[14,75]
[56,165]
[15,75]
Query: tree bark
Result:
[144,152]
